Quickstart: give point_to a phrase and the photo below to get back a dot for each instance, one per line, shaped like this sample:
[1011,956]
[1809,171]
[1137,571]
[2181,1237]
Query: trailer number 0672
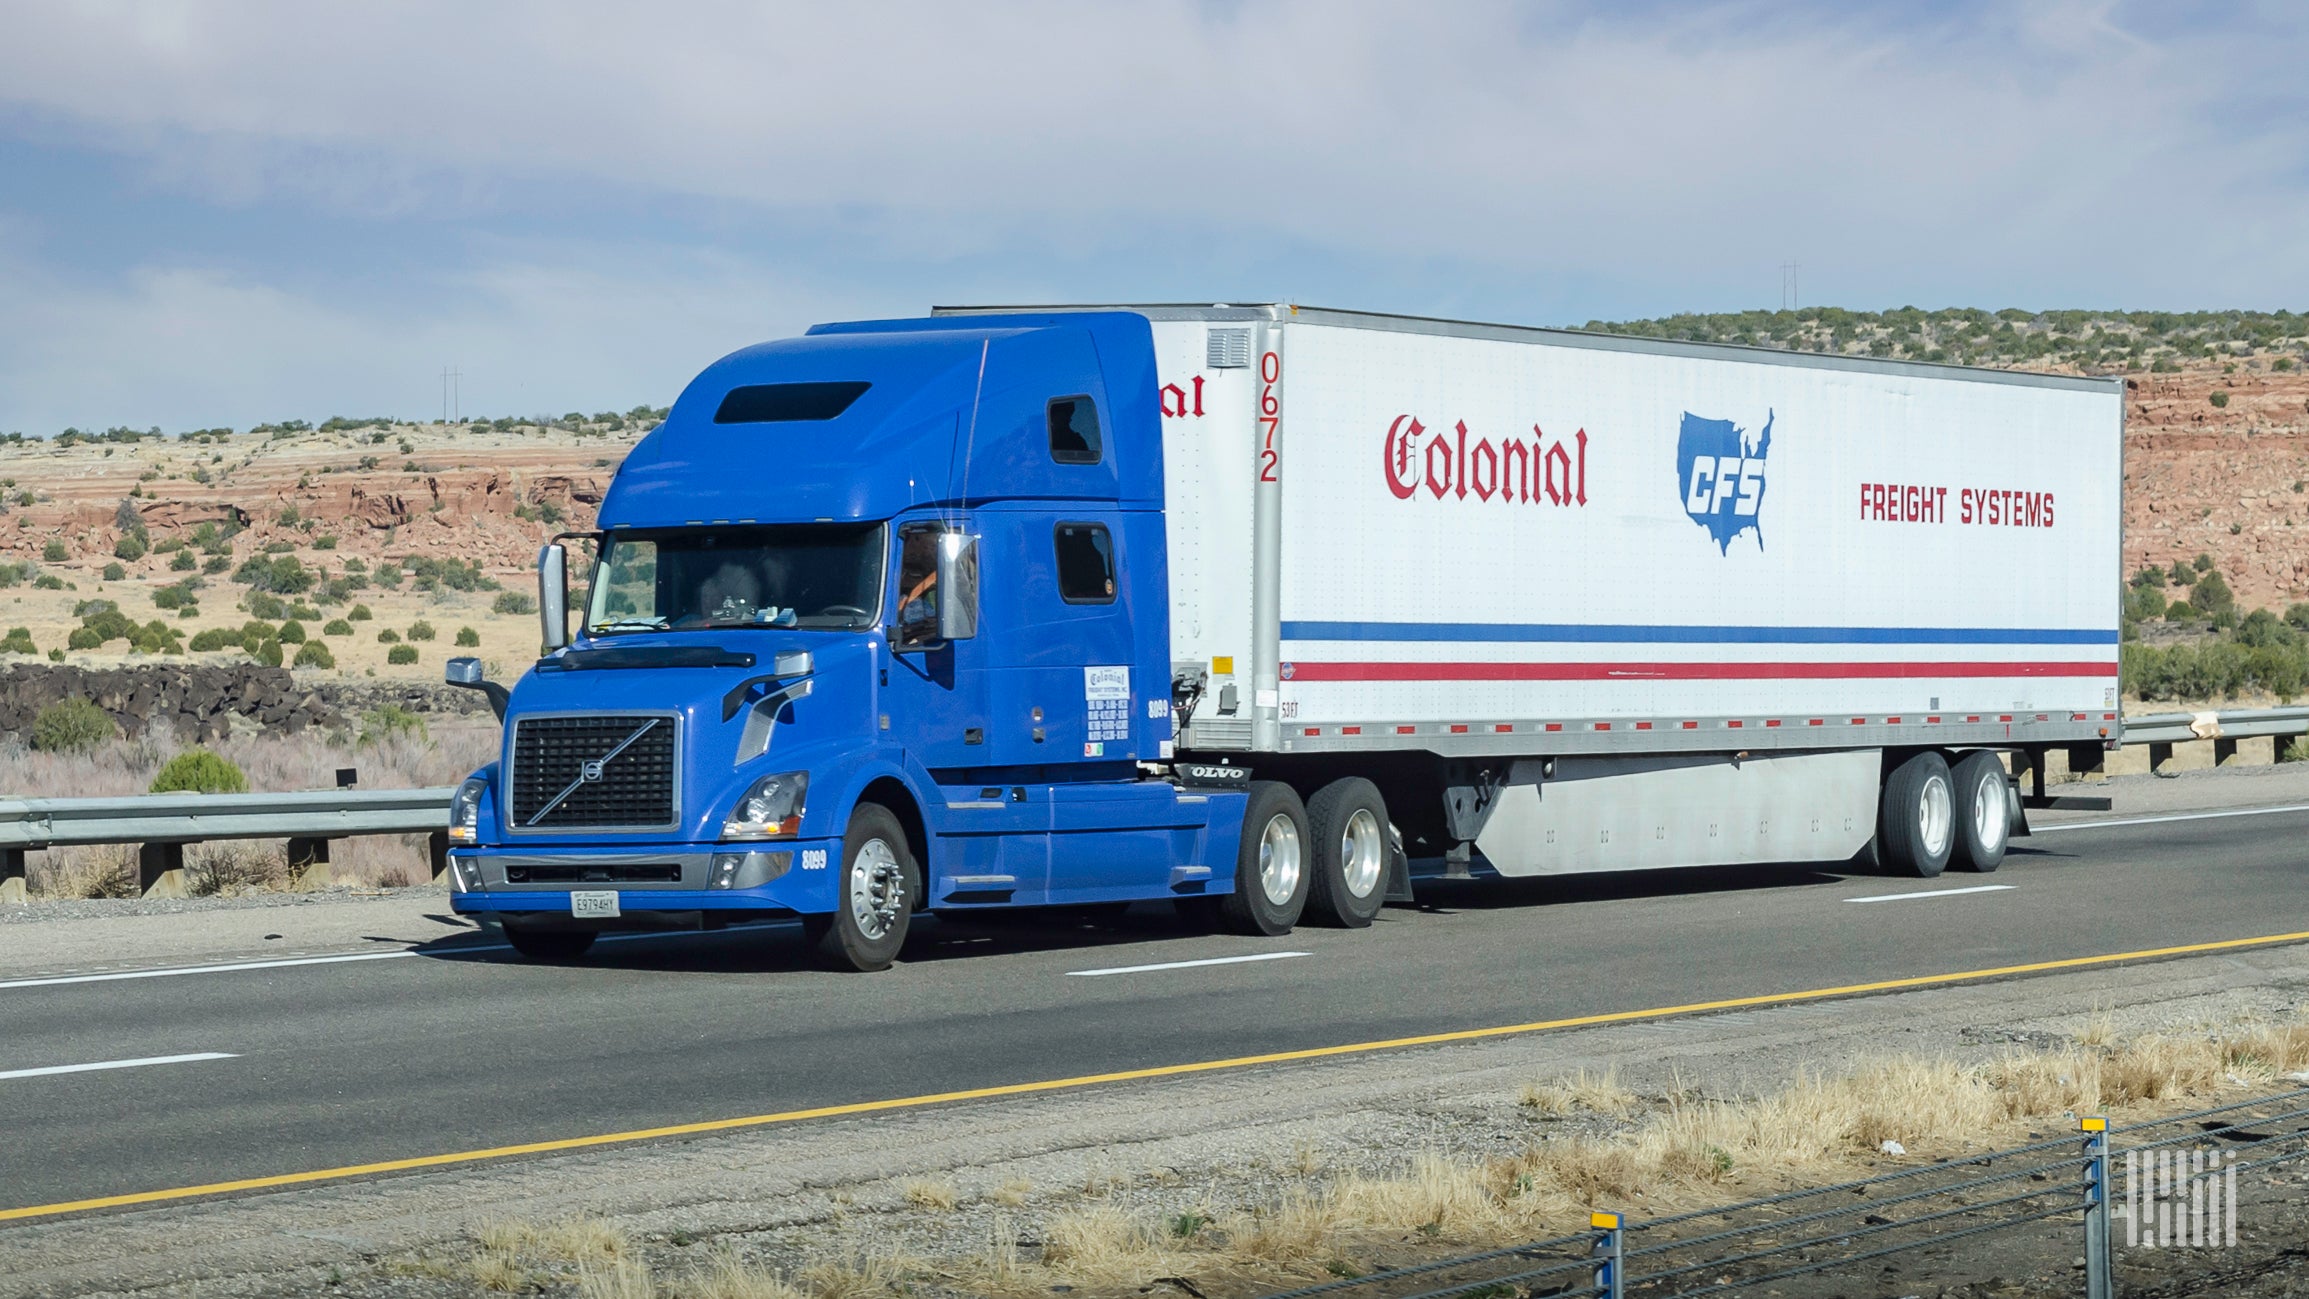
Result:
[1270,412]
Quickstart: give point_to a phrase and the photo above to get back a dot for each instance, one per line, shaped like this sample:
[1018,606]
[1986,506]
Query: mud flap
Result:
[2016,823]
[1398,867]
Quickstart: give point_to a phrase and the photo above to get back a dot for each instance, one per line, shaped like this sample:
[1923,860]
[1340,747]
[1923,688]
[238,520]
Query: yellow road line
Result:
[1126,1075]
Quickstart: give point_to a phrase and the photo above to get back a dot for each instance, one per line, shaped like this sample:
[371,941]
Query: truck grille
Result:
[566,777]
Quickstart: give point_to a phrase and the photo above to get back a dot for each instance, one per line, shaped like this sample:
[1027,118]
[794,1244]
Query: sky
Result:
[246,210]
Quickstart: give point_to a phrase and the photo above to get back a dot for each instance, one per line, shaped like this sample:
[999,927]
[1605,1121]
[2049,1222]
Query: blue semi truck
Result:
[1263,610]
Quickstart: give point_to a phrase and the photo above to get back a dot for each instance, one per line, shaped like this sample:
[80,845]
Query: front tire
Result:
[1916,822]
[550,944]
[1271,866]
[1348,821]
[874,898]
[1983,816]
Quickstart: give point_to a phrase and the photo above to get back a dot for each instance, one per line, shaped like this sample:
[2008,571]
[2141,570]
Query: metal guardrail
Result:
[164,823]
[2228,724]
[2169,1182]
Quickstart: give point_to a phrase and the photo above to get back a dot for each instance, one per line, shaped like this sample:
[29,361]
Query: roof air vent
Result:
[1228,349]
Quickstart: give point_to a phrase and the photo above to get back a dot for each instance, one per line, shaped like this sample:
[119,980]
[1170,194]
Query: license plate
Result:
[597,905]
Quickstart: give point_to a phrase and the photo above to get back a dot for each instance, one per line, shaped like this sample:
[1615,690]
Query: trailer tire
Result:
[1983,817]
[1347,820]
[1271,864]
[550,944]
[875,894]
[1916,820]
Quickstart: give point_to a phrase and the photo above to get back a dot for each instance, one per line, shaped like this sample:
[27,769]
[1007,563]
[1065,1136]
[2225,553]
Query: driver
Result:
[729,595]
[920,603]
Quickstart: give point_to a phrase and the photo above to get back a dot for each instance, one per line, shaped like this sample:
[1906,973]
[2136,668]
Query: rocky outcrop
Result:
[195,703]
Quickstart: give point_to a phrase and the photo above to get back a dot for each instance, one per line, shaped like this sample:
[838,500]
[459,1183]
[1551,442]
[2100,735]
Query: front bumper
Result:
[664,881]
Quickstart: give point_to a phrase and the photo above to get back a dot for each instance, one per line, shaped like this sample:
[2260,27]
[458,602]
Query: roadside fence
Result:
[2161,1183]
[162,824]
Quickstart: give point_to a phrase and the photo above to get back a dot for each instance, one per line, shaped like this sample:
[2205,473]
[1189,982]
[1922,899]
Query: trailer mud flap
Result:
[1398,868]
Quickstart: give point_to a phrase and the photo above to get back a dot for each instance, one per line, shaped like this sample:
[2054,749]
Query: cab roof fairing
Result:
[902,443]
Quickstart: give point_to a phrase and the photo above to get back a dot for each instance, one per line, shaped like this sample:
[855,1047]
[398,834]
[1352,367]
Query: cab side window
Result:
[1085,563]
[1074,436]
[917,585]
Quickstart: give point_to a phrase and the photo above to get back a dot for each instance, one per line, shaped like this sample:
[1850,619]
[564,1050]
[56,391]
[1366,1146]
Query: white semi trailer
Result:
[1576,602]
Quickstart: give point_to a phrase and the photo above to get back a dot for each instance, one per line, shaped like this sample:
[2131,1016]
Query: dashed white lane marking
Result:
[231,967]
[116,1064]
[1185,965]
[1935,893]
[2160,820]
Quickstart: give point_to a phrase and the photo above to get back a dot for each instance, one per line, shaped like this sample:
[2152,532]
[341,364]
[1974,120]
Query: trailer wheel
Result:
[874,899]
[1348,824]
[1983,820]
[550,944]
[1916,822]
[1271,866]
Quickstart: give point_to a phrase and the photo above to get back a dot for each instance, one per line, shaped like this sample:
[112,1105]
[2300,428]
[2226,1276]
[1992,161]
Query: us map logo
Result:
[1722,468]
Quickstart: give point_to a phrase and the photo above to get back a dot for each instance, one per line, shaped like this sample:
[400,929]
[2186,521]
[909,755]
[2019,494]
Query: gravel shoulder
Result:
[110,934]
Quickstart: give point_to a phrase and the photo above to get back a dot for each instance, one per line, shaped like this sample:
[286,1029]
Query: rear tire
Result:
[550,944]
[1983,816]
[1348,824]
[874,897]
[1271,864]
[1916,821]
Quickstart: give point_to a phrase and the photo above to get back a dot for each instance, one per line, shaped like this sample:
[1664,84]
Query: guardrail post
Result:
[437,852]
[309,863]
[160,870]
[12,875]
[2099,1283]
[1607,1252]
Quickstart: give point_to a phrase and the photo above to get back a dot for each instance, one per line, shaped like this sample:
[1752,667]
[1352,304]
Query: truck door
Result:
[934,702]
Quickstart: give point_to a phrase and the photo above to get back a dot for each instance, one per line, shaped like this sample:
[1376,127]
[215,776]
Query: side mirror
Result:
[553,596]
[465,672]
[958,582]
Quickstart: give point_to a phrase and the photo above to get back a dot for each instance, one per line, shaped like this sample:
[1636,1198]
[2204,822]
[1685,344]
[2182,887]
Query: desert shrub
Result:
[11,574]
[216,564]
[171,597]
[420,630]
[81,638]
[337,627]
[48,582]
[114,572]
[401,655]
[514,602]
[299,609]
[2218,398]
[468,638]
[18,641]
[268,653]
[2180,611]
[71,726]
[383,723]
[289,516]
[278,574]
[387,636]
[131,546]
[2297,617]
[325,542]
[183,562]
[292,632]
[2150,575]
[2145,602]
[315,654]
[2262,628]
[388,573]
[198,771]
[54,551]
[263,605]
[215,638]
[359,613]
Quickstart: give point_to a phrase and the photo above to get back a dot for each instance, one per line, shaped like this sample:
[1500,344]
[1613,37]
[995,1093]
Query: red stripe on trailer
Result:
[1560,671]
[2108,717]
[1817,721]
[1504,728]
[2077,717]
[1974,718]
[1934,720]
[1772,722]
[1859,721]
[1892,721]
[1406,730]
[1603,726]
[1555,726]
[1350,730]
[1314,730]
[1735,722]
[1643,726]
[1459,728]
[1691,726]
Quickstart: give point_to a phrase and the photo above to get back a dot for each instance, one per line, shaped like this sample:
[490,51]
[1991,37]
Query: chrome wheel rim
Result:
[1988,824]
[1935,816]
[877,890]
[1359,852]
[1279,866]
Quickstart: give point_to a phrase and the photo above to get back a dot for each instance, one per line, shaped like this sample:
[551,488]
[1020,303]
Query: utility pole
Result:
[1789,297]
[457,394]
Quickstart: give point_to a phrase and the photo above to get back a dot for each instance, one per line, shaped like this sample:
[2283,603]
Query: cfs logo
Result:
[1722,468]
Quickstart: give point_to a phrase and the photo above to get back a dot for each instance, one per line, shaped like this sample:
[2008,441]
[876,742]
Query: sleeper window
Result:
[1074,438]
[1085,563]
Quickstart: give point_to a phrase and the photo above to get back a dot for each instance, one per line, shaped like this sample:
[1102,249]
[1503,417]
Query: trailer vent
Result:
[604,772]
[1228,349]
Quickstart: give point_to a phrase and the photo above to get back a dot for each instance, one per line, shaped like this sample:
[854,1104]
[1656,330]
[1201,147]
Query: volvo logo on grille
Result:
[589,770]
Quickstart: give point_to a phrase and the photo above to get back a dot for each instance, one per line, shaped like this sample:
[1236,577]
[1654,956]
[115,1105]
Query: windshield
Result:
[826,576]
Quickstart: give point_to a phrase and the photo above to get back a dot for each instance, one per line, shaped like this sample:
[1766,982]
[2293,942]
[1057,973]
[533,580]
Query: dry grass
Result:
[1012,1193]
[1580,1093]
[727,1276]
[860,1274]
[1102,1245]
[931,1193]
[452,750]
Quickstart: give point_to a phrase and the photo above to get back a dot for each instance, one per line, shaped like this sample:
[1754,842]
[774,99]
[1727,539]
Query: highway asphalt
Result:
[314,1066]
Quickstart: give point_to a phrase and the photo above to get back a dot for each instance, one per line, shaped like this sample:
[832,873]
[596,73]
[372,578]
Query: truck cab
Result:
[876,624]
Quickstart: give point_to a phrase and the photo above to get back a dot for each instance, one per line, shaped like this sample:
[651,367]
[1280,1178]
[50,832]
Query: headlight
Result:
[771,809]
[465,811]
